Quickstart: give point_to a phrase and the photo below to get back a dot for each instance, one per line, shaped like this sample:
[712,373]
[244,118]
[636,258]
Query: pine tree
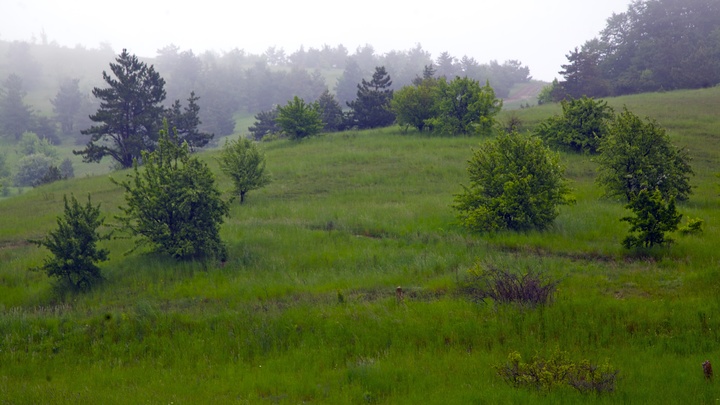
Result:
[265,124]
[346,87]
[330,112]
[15,116]
[371,108]
[186,121]
[130,114]
[67,104]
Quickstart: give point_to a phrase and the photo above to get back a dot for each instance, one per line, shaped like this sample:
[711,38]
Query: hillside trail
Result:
[527,92]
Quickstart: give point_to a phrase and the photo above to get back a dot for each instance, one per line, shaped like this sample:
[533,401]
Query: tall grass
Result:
[305,309]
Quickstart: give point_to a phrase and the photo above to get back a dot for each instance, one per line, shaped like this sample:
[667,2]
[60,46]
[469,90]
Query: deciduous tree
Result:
[299,120]
[74,245]
[654,217]
[244,163]
[516,183]
[465,107]
[638,155]
[584,122]
[173,205]
[415,105]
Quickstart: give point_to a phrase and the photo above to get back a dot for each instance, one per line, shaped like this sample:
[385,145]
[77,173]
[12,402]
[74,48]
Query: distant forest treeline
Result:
[654,45]
[233,82]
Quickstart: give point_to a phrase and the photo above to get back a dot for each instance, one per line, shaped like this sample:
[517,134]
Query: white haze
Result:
[538,33]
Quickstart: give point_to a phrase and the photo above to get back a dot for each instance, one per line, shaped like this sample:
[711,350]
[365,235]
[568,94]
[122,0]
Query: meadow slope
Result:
[305,308]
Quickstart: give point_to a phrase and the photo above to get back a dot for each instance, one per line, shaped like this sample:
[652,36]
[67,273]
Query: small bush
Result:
[32,169]
[557,370]
[531,288]
[74,245]
[694,226]
[654,217]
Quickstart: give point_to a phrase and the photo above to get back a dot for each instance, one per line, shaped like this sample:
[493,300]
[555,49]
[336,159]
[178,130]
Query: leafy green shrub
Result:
[583,123]
[694,226]
[415,105]
[244,163]
[173,204]
[464,107]
[532,288]
[32,169]
[299,120]
[66,169]
[74,245]
[557,370]
[30,144]
[653,218]
[637,155]
[516,183]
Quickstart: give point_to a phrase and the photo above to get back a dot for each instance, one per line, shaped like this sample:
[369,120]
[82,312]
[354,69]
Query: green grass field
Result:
[305,309]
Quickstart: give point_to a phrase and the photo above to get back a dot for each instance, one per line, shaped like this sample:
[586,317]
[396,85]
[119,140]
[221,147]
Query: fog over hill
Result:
[537,33]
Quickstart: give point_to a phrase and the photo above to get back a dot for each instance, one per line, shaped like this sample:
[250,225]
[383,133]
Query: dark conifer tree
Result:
[15,116]
[130,114]
[346,86]
[265,124]
[67,105]
[185,122]
[330,112]
[371,108]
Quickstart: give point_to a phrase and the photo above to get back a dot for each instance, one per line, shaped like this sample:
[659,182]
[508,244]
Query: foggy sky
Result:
[539,33]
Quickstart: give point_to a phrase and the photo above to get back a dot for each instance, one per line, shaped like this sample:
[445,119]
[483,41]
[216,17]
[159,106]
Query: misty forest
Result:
[327,225]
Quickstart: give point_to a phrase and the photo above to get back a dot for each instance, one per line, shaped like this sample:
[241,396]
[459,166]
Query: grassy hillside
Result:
[305,308]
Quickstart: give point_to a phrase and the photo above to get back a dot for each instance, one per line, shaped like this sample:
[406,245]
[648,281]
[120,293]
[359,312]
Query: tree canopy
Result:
[299,120]
[244,163]
[582,125]
[173,204]
[516,183]
[371,107]
[637,155]
[464,107]
[654,45]
[130,113]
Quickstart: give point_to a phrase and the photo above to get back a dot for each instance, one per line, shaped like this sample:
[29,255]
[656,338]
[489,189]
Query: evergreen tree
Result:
[15,116]
[346,87]
[330,112]
[130,114]
[185,122]
[371,108]
[265,124]
[67,105]
[447,66]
